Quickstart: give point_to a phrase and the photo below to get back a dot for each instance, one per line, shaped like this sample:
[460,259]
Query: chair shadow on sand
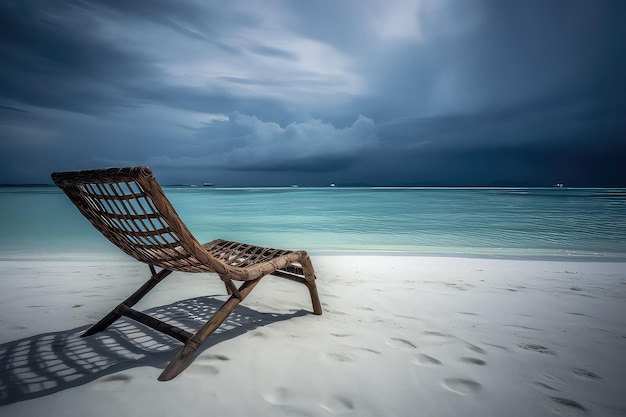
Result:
[51,362]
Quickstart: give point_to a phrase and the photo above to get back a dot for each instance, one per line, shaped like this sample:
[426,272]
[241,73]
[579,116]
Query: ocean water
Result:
[41,223]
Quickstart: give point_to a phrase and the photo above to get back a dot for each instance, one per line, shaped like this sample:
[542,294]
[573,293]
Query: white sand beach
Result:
[400,336]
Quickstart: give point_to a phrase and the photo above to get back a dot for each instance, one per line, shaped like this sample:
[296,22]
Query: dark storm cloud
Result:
[389,91]
[54,58]
[564,138]
[60,56]
[504,53]
[313,163]
[11,109]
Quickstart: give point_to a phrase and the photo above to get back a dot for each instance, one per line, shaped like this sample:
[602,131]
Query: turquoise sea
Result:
[573,223]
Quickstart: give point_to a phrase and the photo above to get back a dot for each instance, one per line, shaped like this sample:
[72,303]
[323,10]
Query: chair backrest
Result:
[128,206]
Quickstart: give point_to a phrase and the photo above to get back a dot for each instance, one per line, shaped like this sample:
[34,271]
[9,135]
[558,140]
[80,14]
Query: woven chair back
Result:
[128,206]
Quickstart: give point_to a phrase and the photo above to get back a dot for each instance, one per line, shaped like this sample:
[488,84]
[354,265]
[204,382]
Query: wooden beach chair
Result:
[128,206]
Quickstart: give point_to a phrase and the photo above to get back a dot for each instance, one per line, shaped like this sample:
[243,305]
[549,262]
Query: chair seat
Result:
[242,255]
[234,254]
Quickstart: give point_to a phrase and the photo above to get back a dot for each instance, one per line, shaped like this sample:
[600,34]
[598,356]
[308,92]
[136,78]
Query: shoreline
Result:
[115,255]
[447,336]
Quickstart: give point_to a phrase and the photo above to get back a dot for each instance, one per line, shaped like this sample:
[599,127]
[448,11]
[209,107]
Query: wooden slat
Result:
[154,323]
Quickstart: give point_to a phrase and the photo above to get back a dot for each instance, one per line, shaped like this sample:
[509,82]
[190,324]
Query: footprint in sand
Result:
[543,385]
[473,361]
[470,317]
[455,286]
[536,348]
[338,404]
[289,400]
[279,396]
[552,379]
[113,382]
[351,354]
[340,356]
[216,357]
[462,386]
[333,311]
[425,360]
[205,364]
[498,347]
[365,351]
[570,405]
[586,374]
[476,349]
[436,334]
[398,343]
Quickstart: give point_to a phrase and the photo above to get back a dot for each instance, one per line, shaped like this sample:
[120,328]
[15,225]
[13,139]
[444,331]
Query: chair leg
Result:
[115,314]
[186,354]
[309,276]
[315,299]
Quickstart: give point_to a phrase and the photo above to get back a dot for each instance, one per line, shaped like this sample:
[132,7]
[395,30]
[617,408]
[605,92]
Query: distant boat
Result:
[208,184]
[559,185]
[332,184]
[294,186]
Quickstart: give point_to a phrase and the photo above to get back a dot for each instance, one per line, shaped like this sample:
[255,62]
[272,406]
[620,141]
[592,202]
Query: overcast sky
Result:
[378,92]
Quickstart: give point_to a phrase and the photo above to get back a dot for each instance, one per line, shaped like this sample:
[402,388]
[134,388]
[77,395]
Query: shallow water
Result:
[539,222]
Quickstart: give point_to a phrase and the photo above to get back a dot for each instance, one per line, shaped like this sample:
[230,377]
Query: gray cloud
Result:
[251,144]
[394,91]
[273,52]
[186,18]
